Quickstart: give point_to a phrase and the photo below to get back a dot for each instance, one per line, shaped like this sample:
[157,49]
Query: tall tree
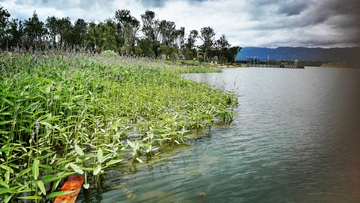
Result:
[79,31]
[167,32]
[53,26]
[207,36]
[16,32]
[65,28]
[234,51]
[180,38]
[194,34]
[148,28]
[4,19]
[129,26]
[35,31]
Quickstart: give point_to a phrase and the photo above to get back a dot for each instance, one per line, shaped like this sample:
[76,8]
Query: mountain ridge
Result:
[351,54]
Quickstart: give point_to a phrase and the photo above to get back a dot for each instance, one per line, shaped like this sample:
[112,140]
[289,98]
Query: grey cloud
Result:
[292,8]
[161,3]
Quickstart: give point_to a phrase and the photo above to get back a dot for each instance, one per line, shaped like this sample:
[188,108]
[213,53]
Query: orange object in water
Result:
[73,183]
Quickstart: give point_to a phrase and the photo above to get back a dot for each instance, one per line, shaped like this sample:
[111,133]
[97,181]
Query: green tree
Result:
[65,28]
[194,34]
[35,31]
[128,28]
[234,52]
[4,19]
[200,59]
[207,36]
[16,32]
[52,24]
[174,57]
[149,25]
[79,31]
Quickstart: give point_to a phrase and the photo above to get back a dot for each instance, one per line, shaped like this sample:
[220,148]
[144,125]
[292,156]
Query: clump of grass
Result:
[79,114]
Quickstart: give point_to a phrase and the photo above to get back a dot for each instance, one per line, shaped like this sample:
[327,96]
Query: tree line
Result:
[123,34]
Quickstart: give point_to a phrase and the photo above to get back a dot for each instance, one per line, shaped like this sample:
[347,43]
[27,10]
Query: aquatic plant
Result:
[64,114]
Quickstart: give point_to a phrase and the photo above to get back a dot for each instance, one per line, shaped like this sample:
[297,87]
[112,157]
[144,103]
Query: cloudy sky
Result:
[260,23]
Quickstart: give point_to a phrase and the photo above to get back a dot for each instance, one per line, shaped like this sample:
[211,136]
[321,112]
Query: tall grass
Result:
[79,114]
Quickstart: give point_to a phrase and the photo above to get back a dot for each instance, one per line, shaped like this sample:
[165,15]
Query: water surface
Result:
[295,138]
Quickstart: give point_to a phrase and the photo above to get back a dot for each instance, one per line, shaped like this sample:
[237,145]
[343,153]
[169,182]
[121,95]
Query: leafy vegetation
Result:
[64,114]
[120,34]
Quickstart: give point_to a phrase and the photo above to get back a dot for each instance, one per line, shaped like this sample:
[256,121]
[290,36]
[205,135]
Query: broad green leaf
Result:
[42,187]
[7,198]
[5,149]
[4,184]
[8,190]
[23,172]
[86,186]
[7,168]
[35,169]
[45,166]
[30,197]
[4,122]
[9,102]
[100,155]
[76,168]
[46,124]
[97,170]
[79,151]
[51,178]
[3,132]
[55,194]
[113,162]
[55,185]
[139,160]
[47,90]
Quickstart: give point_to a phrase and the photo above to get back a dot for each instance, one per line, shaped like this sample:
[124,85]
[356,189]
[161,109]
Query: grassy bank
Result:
[78,114]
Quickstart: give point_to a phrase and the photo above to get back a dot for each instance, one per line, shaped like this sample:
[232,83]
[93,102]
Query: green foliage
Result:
[75,117]
[108,53]
[200,59]
[138,51]
[167,50]
[174,57]
[223,60]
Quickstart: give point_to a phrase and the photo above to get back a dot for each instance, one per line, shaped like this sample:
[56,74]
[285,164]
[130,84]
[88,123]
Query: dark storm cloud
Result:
[161,3]
[292,8]
[272,23]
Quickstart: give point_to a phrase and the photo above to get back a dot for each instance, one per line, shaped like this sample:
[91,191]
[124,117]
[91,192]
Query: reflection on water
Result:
[295,138]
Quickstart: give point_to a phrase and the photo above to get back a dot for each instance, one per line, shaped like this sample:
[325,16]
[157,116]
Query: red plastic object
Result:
[73,183]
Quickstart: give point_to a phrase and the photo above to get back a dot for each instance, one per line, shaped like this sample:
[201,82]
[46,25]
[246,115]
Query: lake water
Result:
[295,138]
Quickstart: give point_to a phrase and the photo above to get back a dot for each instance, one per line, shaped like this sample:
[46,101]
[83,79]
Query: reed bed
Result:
[65,114]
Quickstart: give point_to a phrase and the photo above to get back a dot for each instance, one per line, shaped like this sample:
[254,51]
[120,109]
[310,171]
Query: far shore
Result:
[340,65]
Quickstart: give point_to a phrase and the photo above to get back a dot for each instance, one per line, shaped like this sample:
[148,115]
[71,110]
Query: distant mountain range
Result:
[300,54]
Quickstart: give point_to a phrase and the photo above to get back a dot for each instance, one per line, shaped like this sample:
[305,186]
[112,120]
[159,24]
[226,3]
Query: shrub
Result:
[138,51]
[174,57]
[200,59]
[108,53]
[223,60]
[163,57]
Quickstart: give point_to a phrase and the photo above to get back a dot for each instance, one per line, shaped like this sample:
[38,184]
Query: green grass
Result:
[79,114]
